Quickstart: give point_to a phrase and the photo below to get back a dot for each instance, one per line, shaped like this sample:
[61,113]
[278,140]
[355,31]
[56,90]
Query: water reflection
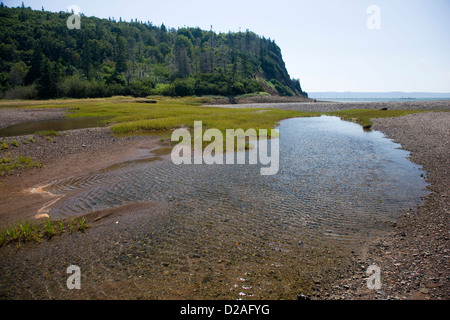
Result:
[64,124]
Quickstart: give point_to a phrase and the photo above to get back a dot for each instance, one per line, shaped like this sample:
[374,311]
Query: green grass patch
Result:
[218,118]
[48,133]
[36,232]
[4,145]
[53,104]
[8,164]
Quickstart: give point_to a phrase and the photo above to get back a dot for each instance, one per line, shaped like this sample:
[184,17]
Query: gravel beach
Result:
[321,106]
[413,259]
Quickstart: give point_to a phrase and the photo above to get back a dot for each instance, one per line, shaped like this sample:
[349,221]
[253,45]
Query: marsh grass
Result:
[33,232]
[4,145]
[60,226]
[49,229]
[8,163]
[48,133]
[56,103]
[171,116]
[127,115]
[82,224]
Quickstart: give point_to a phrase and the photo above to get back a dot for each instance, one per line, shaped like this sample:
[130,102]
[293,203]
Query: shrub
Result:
[183,87]
[22,93]
[253,86]
[281,88]
[74,87]
[168,90]
[142,87]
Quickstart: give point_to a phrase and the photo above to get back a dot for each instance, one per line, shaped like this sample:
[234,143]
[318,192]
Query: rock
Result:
[424,290]
[303,297]
[432,285]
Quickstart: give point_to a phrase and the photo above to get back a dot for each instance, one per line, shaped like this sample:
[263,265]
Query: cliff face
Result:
[40,55]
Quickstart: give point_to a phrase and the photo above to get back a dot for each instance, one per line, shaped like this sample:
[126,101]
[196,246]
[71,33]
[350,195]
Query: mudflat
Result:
[73,153]
[117,253]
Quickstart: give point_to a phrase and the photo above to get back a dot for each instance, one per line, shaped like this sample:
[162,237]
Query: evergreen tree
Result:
[17,73]
[48,81]
[35,69]
[107,58]
[121,55]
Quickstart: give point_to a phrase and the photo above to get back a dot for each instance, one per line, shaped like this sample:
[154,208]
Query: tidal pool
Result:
[64,124]
[336,181]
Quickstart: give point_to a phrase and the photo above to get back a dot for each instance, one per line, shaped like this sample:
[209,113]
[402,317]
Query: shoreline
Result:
[414,259]
[323,106]
[413,267]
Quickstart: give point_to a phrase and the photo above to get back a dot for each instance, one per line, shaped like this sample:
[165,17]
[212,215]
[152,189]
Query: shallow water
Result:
[336,181]
[64,124]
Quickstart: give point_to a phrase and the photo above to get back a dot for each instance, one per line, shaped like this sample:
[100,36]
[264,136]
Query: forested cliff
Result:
[40,57]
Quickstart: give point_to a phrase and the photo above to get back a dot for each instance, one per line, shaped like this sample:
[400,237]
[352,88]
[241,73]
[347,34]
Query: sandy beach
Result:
[413,258]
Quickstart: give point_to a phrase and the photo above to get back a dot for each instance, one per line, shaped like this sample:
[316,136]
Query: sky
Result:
[330,45]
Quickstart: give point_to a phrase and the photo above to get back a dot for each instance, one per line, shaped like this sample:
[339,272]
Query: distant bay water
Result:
[378,96]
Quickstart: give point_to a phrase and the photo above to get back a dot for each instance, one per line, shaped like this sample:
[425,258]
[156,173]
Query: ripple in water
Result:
[336,182]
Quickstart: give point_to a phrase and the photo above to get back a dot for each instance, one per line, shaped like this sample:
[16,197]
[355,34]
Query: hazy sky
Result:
[325,43]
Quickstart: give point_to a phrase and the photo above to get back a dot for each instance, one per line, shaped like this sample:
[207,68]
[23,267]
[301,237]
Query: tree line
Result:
[40,57]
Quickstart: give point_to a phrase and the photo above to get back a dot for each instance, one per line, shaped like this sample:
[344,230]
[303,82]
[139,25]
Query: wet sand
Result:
[118,251]
[73,153]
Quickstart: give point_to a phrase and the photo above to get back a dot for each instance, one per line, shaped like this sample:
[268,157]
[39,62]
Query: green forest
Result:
[41,58]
